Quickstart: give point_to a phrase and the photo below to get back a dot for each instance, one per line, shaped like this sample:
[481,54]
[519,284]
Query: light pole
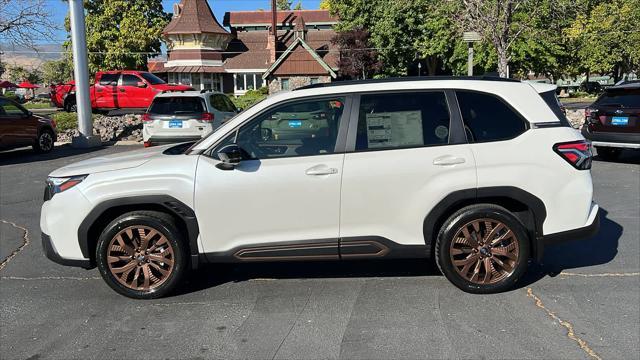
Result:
[419,68]
[81,76]
[470,37]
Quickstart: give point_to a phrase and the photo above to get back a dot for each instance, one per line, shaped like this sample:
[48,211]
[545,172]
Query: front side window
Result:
[130,80]
[402,120]
[487,118]
[301,128]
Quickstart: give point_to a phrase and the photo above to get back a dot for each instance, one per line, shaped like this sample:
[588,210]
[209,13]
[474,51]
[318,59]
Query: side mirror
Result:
[230,155]
[141,84]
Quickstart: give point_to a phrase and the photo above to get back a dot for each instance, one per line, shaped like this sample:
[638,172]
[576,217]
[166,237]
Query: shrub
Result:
[65,121]
[250,98]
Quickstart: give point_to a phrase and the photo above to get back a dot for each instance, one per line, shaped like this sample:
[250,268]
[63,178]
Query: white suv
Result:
[179,116]
[477,173]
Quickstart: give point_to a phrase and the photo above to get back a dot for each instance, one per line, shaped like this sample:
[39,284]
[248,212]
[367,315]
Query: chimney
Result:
[273,34]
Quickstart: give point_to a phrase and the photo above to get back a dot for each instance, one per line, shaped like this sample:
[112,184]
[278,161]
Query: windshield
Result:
[177,105]
[152,79]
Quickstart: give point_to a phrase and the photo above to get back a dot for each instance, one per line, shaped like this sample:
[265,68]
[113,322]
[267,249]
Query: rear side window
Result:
[222,103]
[402,120]
[487,118]
[625,98]
[109,79]
[177,106]
[552,101]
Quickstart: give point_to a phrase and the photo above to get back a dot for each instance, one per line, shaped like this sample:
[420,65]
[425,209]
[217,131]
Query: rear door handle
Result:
[321,170]
[448,160]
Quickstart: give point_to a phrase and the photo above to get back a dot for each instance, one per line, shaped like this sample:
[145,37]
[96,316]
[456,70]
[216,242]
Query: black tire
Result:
[466,216]
[45,141]
[70,106]
[608,153]
[165,226]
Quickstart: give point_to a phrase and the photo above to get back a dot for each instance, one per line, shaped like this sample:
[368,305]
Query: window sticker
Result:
[442,132]
[394,129]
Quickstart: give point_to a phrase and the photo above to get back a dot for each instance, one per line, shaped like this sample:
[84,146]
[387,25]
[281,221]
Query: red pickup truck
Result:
[122,89]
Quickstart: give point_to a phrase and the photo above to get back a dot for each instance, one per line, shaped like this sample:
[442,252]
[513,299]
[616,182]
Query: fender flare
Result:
[168,203]
[461,198]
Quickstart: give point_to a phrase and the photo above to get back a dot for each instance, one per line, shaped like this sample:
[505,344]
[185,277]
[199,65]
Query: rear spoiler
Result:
[543,87]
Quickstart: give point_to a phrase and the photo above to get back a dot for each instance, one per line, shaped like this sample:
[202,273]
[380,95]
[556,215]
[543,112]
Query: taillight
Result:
[207,117]
[146,117]
[576,153]
[147,144]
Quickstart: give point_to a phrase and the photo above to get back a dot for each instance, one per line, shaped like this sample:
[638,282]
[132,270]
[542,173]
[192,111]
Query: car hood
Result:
[130,159]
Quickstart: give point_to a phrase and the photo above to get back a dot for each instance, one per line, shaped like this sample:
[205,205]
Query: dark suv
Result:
[20,127]
[612,122]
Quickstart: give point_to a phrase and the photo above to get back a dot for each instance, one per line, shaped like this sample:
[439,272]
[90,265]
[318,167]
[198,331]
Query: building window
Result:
[195,80]
[185,78]
[172,78]
[240,82]
[285,84]
[315,81]
[248,81]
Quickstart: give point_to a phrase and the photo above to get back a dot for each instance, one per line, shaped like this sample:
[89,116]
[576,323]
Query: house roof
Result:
[249,49]
[194,17]
[246,18]
[299,59]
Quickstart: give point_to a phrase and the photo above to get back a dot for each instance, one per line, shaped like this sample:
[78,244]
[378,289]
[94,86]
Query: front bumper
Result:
[589,230]
[52,254]
[610,139]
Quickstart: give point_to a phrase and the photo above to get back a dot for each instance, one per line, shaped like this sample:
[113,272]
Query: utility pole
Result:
[470,37]
[86,138]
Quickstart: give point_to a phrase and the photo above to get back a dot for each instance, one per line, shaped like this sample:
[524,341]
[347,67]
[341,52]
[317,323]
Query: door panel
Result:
[403,163]
[106,91]
[129,94]
[267,201]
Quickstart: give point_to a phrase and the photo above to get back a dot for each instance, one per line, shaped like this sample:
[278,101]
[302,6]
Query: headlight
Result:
[57,185]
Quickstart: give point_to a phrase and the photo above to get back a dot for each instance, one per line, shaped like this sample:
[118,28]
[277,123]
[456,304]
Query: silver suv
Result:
[185,116]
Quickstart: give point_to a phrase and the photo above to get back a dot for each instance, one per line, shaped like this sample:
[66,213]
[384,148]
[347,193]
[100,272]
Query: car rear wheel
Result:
[483,249]
[45,141]
[608,153]
[141,255]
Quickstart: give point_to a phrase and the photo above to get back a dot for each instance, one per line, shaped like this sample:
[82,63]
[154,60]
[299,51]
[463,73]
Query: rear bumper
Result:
[609,139]
[52,254]
[590,229]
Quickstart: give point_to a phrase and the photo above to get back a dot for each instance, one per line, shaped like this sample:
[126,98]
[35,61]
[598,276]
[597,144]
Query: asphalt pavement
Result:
[581,302]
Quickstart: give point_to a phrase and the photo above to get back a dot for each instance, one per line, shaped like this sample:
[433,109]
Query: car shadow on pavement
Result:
[597,250]
[212,275]
[631,157]
[27,155]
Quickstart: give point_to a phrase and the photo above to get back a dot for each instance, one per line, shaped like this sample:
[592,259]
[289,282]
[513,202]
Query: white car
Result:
[477,173]
[180,116]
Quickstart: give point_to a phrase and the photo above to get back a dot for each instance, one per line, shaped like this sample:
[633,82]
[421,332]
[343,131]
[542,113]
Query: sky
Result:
[59,9]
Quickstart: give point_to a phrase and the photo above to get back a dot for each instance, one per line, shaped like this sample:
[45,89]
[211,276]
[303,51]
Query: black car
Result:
[612,122]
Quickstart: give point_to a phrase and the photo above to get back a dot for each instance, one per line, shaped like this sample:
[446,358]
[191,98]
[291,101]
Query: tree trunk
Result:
[432,65]
[503,64]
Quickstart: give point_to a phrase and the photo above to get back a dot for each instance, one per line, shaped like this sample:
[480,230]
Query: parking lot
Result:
[580,303]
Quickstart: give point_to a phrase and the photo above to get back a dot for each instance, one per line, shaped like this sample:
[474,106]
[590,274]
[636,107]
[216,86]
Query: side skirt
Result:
[353,248]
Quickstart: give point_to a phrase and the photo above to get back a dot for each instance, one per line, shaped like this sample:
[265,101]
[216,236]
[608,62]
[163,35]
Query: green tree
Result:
[607,38]
[283,4]
[18,74]
[57,71]
[123,34]
[298,5]
[325,5]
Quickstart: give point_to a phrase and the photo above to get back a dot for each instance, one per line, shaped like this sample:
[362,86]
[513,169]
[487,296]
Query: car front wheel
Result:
[483,249]
[45,141]
[141,255]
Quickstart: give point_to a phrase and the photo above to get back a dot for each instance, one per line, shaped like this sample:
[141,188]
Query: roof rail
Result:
[404,79]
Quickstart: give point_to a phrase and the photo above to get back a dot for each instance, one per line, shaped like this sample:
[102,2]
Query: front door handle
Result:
[121,90]
[321,170]
[448,160]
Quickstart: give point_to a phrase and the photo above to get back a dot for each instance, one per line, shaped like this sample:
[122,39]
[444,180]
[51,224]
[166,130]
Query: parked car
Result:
[185,116]
[122,89]
[612,122]
[478,173]
[20,127]
[591,87]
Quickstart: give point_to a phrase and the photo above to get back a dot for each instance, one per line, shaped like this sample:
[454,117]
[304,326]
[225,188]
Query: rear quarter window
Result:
[552,101]
[487,118]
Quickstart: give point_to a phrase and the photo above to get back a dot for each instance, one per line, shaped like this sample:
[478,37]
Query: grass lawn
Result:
[32,105]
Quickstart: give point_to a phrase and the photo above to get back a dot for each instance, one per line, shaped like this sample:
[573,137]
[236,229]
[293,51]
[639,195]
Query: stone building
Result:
[252,53]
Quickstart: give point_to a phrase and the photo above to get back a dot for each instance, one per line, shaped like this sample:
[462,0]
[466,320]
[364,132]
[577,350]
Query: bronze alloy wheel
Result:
[484,251]
[140,258]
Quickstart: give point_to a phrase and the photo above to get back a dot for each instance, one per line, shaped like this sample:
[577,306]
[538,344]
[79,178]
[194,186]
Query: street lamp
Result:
[470,37]
[419,68]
